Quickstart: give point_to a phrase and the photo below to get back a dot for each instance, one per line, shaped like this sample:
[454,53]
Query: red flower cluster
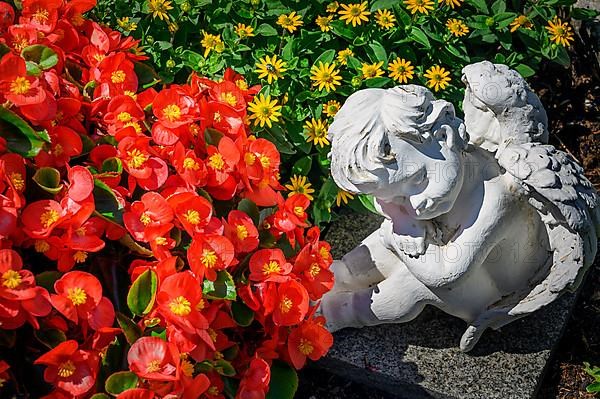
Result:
[99,179]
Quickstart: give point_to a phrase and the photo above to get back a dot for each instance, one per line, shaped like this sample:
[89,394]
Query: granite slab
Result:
[421,359]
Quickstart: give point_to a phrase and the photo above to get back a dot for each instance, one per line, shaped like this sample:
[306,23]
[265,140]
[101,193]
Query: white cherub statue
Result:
[488,232]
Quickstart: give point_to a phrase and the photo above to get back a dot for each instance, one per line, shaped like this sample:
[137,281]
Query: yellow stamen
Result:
[180,306]
[20,85]
[172,112]
[314,270]
[118,77]
[66,369]
[216,161]
[145,219]
[124,117]
[77,296]
[17,181]
[190,163]
[136,158]
[241,231]
[153,366]
[271,267]
[11,279]
[208,258]
[41,246]
[305,347]
[192,216]
[80,256]
[285,305]
[49,217]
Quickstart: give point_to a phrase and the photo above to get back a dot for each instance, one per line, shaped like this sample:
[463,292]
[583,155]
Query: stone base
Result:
[421,359]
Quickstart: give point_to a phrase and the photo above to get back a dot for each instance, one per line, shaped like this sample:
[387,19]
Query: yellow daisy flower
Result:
[331,107]
[300,185]
[270,68]
[126,25]
[343,196]
[520,21]
[343,55]
[324,23]
[244,31]
[290,21]
[385,19]
[316,130]
[212,42]
[372,70]
[264,110]
[437,77]
[333,7]
[457,27]
[354,13]
[419,6]
[325,76]
[560,32]
[401,70]
[451,3]
[160,9]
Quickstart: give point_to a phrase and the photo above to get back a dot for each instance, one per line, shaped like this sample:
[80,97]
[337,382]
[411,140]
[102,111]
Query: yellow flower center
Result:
[77,296]
[192,216]
[80,256]
[217,117]
[208,258]
[324,252]
[49,217]
[118,77]
[249,158]
[11,279]
[145,219]
[20,85]
[213,391]
[180,306]
[187,368]
[271,267]
[160,241]
[241,84]
[285,305]
[265,161]
[41,15]
[200,306]
[216,161]
[212,334]
[124,117]
[17,181]
[314,270]
[305,347]
[229,98]
[298,211]
[135,125]
[153,366]
[136,158]
[41,246]
[66,369]
[190,163]
[172,112]
[241,231]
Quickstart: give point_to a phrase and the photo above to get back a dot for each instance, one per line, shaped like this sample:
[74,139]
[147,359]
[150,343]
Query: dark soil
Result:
[572,99]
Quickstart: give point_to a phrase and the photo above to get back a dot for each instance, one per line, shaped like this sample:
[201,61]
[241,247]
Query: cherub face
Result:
[424,178]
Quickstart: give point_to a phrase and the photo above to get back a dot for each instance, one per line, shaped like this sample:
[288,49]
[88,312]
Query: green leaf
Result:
[147,76]
[42,56]
[47,279]
[100,396]
[383,4]
[377,52]
[377,82]
[368,201]
[524,70]
[593,387]
[131,330]
[480,5]
[284,381]
[106,201]
[223,367]
[19,136]
[584,13]
[114,165]
[340,28]
[212,136]
[326,57]
[302,166]
[266,30]
[120,381]
[48,179]
[222,288]
[142,293]
[242,314]
[50,337]
[420,37]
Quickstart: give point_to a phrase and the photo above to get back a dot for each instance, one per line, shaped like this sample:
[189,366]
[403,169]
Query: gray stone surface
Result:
[421,359]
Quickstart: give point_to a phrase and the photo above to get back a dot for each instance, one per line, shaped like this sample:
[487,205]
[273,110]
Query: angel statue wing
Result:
[568,204]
